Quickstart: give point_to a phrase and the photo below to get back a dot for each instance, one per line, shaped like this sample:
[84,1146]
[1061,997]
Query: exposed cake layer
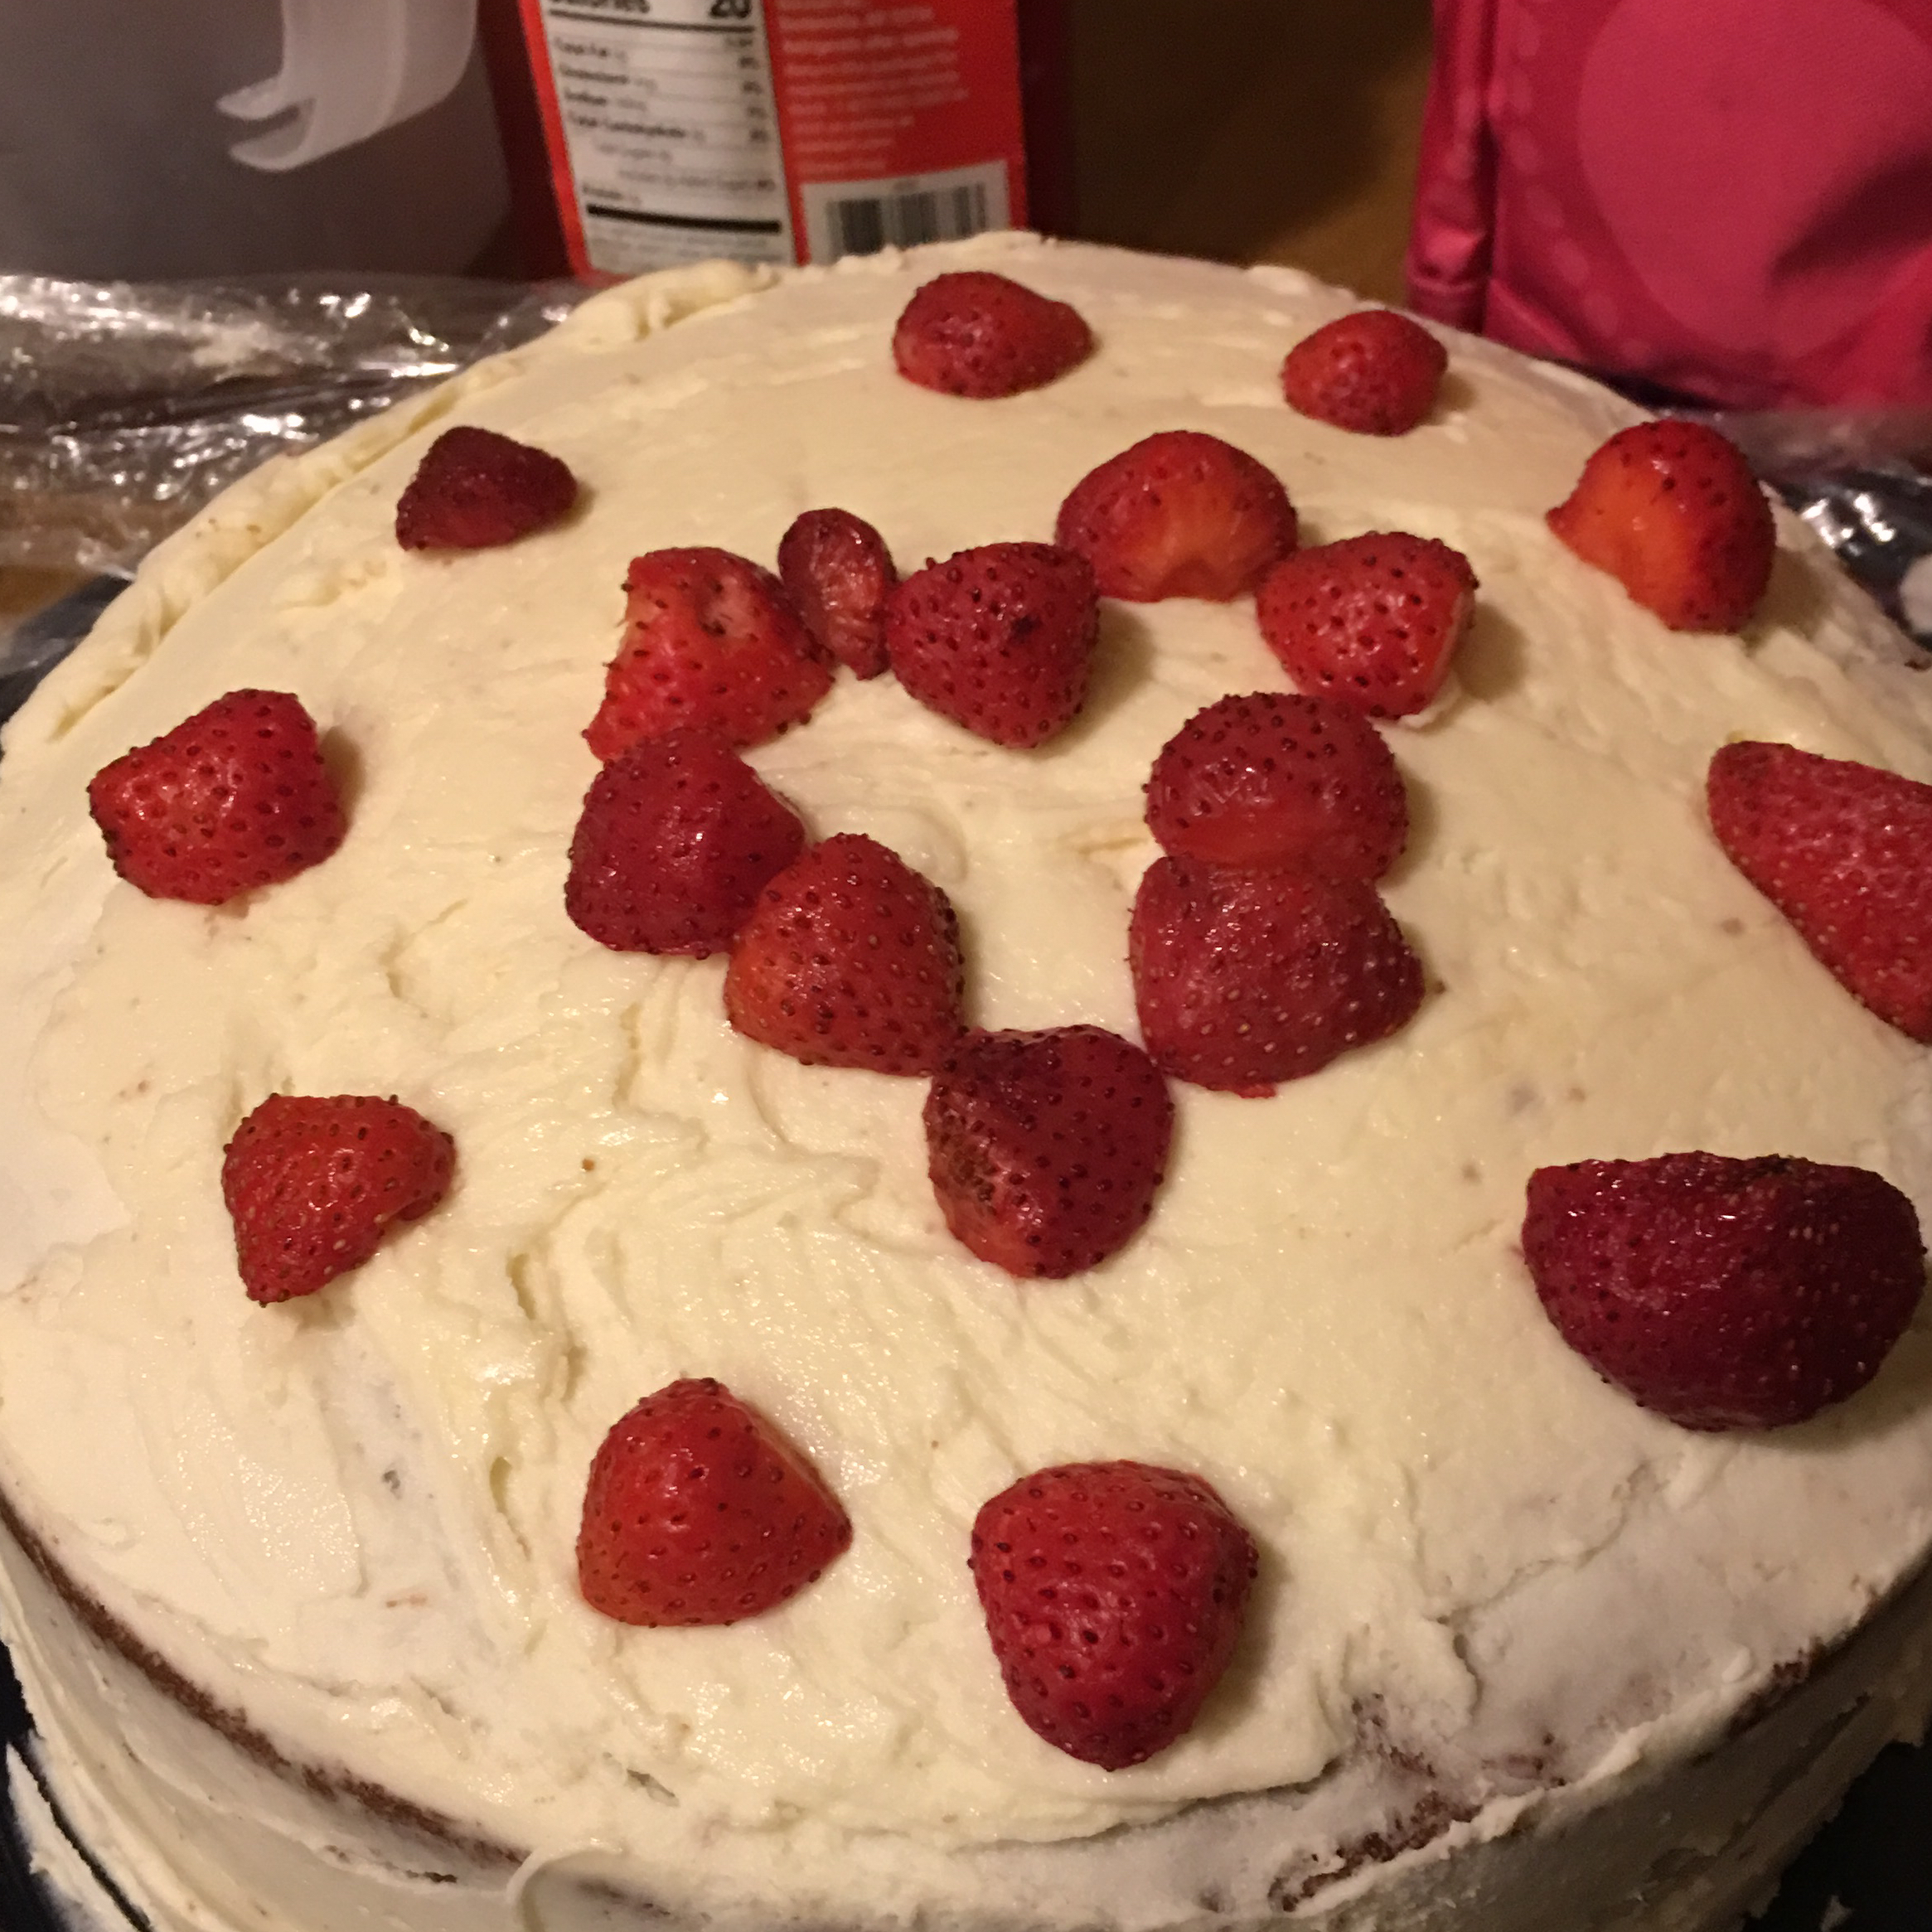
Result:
[203,1822]
[351,1519]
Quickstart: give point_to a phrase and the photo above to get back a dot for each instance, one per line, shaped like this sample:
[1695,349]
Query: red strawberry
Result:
[1178,515]
[839,572]
[1046,1149]
[981,335]
[711,640]
[698,1511]
[1673,513]
[235,798]
[1274,779]
[850,959]
[1372,620]
[475,489]
[1375,372]
[1725,1293]
[1241,979]
[999,639]
[1113,1593]
[314,1184]
[1844,851]
[677,838]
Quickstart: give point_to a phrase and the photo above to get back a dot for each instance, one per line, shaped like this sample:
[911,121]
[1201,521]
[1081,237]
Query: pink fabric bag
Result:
[1732,198]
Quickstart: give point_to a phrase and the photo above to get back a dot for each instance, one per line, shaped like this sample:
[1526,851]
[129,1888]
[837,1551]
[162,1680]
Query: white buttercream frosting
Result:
[354,1516]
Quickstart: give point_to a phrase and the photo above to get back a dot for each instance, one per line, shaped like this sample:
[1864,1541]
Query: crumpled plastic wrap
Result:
[34,646]
[1863,479]
[125,407]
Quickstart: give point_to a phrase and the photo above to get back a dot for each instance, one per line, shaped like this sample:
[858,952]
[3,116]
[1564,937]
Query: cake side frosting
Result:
[354,1519]
[201,1835]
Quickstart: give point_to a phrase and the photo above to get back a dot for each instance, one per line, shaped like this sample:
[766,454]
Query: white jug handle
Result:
[351,68]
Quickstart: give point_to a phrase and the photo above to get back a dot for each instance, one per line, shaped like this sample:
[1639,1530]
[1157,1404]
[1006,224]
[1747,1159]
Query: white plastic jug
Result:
[129,154]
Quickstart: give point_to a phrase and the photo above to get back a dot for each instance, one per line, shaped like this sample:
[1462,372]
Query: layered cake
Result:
[293,1590]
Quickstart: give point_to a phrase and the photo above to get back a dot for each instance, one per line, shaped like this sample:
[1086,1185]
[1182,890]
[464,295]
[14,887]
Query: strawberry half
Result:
[1046,1149]
[1372,620]
[1179,514]
[1114,1593]
[1725,1294]
[235,798]
[1673,513]
[1271,779]
[850,959]
[1243,979]
[315,1184]
[677,837]
[709,639]
[475,489]
[840,573]
[1844,851]
[698,1511]
[1375,372]
[1000,639]
[980,335]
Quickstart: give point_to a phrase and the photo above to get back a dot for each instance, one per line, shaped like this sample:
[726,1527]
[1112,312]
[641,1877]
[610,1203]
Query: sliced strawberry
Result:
[1725,1294]
[840,573]
[315,1184]
[1271,779]
[977,334]
[1179,514]
[677,837]
[698,1511]
[850,959]
[1243,979]
[709,639]
[999,639]
[1844,851]
[1372,620]
[475,489]
[235,798]
[1375,372]
[1673,513]
[1046,1149]
[1114,1593]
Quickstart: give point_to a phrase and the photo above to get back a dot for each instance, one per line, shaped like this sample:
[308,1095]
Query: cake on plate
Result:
[293,1590]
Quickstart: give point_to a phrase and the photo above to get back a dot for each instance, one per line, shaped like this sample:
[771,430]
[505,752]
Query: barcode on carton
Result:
[860,218]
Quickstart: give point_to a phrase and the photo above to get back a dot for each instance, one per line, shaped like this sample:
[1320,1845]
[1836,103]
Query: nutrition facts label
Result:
[671,129]
[777,130]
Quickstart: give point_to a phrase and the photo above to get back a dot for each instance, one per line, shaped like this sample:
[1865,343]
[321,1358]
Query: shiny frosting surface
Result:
[354,1516]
